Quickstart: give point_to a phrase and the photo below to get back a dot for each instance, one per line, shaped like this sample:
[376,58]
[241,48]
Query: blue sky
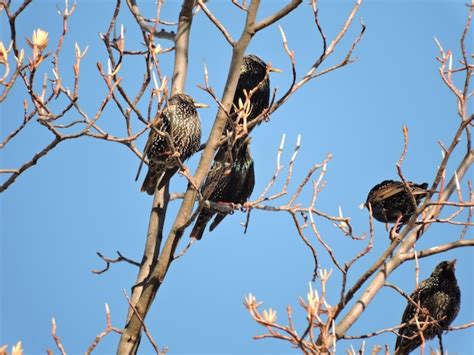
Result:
[82,197]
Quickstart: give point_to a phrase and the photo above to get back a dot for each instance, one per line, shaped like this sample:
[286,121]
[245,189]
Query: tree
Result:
[132,75]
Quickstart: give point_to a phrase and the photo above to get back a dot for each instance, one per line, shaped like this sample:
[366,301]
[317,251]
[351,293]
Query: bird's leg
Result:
[247,206]
[228,205]
[396,228]
[440,338]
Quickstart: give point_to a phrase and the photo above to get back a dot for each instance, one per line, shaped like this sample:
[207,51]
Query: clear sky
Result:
[82,197]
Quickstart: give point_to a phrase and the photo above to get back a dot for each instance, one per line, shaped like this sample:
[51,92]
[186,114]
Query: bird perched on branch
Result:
[254,82]
[392,201]
[251,98]
[439,297]
[180,125]
[224,184]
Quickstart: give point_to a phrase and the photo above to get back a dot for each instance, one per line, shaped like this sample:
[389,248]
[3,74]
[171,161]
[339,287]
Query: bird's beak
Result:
[199,105]
[275,70]
[452,264]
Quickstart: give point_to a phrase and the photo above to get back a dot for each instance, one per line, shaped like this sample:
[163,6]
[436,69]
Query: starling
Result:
[253,74]
[234,185]
[392,202]
[181,121]
[439,295]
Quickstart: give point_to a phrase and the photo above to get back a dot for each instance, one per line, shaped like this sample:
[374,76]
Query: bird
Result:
[181,121]
[391,201]
[226,184]
[440,296]
[253,75]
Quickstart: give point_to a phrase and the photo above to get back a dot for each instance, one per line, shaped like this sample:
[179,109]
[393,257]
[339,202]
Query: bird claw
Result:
[396,229]
[394,236]
[246,206]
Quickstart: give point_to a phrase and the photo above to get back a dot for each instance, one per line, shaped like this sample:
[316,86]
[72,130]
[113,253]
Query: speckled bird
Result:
[440,296]
[234,185]
[253,71]
[253,74]
[391,200]
[181,121]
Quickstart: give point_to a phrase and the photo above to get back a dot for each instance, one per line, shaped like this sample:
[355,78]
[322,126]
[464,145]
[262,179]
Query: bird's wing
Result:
[161,123]
[249,182]
[157,141]
[218,219]
[148,144]
[407,316]
[167,176]
[201,222]
[421,295]
[216,181]
[140,166]
[387,191]
[237,196]
[439,300]
[217,188]
[410,310]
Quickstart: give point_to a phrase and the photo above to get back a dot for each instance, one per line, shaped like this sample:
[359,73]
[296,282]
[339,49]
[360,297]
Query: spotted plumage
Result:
[440,296]
[224,183]
[181,121]
[391,200]
[253,74]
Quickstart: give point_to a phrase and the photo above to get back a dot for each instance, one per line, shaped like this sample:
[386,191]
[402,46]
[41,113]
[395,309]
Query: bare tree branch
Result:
[57,340]
[109,328]
[276,16]
[134,9]
[216,22]
[109,261]
[438,249]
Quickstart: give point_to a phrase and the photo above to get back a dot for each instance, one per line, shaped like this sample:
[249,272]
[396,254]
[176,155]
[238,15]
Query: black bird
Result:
[222,184]
[253,76]
[391,201]
[254,81]
[181,121]
[440,296]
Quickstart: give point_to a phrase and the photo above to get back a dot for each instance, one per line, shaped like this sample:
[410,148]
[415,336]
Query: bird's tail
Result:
[216,221]
[396,349]
[167,177]
[400,351]
[150,181]
[403,345]
[200,225]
